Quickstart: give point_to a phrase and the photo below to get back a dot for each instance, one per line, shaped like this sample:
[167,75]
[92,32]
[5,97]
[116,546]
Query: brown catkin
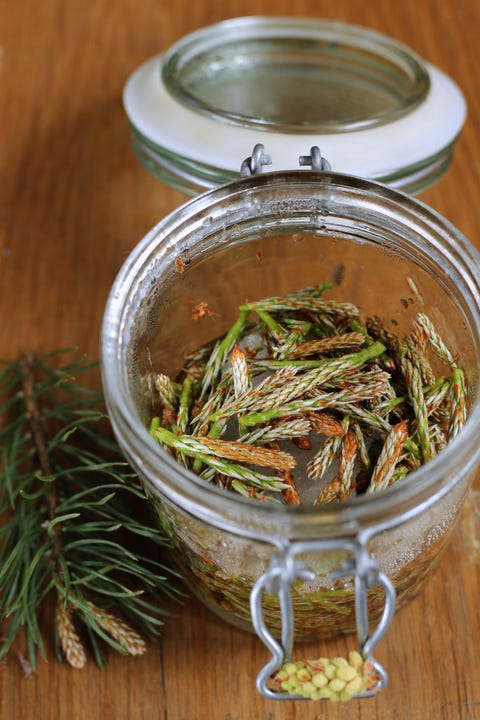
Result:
[385,467]
[346,464]
[330,493]
[290,493]
[69,639]
[128,638]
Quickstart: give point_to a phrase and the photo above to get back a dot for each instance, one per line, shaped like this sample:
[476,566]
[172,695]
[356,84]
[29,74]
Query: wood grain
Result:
[74,202]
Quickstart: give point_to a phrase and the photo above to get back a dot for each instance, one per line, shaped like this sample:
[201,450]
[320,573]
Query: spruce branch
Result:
[75,523]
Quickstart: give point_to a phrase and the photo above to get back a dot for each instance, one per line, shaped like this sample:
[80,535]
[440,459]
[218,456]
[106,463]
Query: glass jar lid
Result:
[270,75]
[375,109]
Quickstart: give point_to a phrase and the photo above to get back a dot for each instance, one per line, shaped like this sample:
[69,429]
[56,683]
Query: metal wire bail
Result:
[284,569]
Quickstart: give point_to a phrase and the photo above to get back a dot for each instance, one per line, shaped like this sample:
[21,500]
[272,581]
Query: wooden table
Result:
[74,202]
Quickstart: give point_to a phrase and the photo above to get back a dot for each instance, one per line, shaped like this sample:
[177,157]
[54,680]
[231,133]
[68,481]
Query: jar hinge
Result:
[253,165]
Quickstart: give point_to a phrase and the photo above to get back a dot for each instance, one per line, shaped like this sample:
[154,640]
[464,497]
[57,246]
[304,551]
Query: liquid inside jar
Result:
[221,568]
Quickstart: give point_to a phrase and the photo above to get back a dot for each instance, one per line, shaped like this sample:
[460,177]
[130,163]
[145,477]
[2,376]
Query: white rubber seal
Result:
[374,152]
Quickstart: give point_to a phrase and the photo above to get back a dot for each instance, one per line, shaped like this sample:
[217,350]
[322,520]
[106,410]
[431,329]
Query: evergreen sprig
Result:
[76,532]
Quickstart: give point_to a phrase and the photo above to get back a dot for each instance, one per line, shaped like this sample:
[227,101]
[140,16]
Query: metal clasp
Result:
[315,160]
[284,569]
[253,165]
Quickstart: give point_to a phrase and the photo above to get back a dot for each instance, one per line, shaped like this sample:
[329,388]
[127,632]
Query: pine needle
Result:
[69,530]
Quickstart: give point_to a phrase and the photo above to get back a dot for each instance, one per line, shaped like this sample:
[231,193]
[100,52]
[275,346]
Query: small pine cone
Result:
[384,469]
[290,493]
[302,442]
[330,493]
[241,377]
[165,390]
[346,464]
[329,679]
[69,640]
[325,424]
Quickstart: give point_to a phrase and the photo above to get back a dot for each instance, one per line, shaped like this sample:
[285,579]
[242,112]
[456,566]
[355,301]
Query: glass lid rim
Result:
[202,42]
[428,129]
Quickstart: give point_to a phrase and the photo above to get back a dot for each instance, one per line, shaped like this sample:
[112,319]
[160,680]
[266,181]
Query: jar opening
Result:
[204,252]
[299,76]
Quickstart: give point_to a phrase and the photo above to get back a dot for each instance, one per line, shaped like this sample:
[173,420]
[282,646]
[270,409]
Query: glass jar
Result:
[373,106]
[272,234]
